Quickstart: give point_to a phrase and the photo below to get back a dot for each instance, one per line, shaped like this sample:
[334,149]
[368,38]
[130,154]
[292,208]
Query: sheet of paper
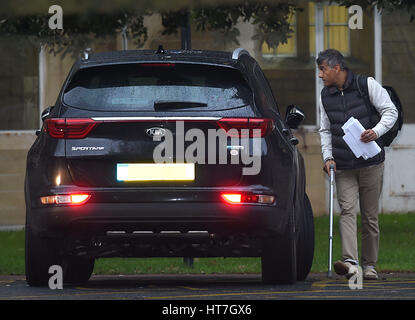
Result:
[353,129]
[353,145]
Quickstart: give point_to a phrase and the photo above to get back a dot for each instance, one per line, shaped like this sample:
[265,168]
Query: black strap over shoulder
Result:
[361,82]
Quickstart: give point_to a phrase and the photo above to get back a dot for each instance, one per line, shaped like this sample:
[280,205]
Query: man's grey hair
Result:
[331,57]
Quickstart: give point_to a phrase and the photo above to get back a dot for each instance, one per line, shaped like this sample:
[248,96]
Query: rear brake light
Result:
[265,125]
[79,198]
[72,199]
[69,128]
[239,198]
[232,198]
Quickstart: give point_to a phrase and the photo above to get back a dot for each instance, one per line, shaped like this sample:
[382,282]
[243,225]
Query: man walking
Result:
[356,178]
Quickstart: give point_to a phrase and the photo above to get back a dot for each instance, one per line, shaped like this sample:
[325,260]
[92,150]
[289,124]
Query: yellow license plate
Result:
[155,171]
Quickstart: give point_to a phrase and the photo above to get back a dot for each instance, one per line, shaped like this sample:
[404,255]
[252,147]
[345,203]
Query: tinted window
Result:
[138,87]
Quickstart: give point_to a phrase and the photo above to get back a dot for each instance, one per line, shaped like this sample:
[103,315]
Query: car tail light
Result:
[232,198]
[266,125]
[240,198]
[69,128]
[71,199]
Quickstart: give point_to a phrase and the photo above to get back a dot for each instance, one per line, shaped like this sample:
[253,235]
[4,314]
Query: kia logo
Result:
[156,132]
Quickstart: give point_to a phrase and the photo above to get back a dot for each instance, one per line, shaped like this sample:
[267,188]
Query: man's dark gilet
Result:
[339,109]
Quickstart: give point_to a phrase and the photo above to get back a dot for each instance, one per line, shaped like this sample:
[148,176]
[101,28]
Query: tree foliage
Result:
[80,29]
[407,6]
[78,32]
[271,20]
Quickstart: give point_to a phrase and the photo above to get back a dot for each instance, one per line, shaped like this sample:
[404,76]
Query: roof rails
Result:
[238,52]
[86,54]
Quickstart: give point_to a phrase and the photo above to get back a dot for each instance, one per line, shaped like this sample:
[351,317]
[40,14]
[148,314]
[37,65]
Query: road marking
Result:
[70,294]
[276,293]
[324,289]
[291,294]
[367,283]
[229,294]
[193,289]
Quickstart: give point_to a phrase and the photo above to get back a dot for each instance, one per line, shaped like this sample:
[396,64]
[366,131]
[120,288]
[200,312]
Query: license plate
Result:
[155,171]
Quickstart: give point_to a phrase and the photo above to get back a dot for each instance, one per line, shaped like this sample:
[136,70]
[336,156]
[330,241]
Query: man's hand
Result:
[368,135]
[327,164]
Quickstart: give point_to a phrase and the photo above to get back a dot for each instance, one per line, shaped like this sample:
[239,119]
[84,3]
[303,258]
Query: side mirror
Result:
[294,116]
[46,113]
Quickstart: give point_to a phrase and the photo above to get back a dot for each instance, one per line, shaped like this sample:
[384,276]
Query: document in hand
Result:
[353,129]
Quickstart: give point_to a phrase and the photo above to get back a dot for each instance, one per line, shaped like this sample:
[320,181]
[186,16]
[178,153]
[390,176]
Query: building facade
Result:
[384,48]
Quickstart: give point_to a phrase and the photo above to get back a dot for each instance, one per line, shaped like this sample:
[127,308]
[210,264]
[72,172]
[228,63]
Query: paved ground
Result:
[212,287]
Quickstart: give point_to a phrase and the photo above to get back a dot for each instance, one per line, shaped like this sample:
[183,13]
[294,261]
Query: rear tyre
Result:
[77,270]
[305,242]
[278,261]
[40,255]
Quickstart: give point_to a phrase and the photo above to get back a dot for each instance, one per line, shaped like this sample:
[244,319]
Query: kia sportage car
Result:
[167,154]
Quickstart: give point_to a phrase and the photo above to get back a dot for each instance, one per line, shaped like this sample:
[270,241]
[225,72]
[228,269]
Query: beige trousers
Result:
[365,185]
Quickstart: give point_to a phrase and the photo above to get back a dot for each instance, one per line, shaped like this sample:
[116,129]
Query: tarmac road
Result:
[212,287]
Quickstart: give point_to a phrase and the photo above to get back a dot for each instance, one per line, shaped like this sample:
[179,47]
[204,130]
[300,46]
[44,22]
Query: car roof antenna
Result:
[160,50]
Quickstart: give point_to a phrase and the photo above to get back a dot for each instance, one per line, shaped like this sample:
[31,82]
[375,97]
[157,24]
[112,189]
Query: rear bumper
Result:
[99,218]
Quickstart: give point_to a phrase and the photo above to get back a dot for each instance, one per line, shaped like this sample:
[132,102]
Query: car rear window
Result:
[143,87]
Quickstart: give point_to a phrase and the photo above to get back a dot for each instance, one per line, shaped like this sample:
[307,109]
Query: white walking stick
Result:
[329,274]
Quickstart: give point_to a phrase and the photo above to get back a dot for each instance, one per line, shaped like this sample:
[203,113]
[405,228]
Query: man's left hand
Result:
[368,135]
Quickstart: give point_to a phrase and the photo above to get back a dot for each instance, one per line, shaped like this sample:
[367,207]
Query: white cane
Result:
[329,274]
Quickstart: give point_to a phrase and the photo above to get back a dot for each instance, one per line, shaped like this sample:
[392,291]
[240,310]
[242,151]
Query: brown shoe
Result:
[341,268]
[345,269]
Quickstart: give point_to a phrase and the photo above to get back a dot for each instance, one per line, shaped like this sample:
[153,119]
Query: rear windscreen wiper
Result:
[178,104]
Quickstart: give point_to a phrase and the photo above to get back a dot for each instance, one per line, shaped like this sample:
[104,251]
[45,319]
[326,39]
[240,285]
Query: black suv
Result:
[125,166]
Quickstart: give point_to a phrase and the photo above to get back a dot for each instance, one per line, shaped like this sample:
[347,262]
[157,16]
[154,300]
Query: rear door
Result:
[154,124]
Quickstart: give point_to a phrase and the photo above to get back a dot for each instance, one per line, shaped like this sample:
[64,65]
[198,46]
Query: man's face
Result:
[327,74]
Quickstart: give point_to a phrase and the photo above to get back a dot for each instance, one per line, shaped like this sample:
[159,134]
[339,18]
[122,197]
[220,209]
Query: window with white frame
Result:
[336,29]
